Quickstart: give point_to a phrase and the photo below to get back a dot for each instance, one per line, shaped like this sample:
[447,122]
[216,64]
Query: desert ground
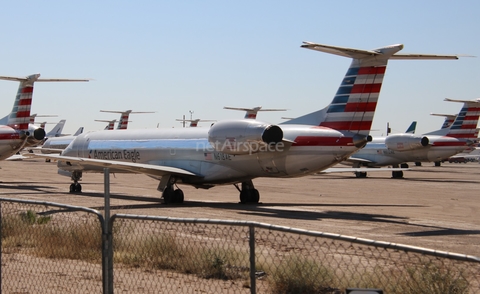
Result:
[432,207]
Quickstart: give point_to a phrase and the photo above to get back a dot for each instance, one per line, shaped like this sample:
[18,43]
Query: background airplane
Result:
[17,132]
[237,151]
[124,116]
[57,145]
[399,149]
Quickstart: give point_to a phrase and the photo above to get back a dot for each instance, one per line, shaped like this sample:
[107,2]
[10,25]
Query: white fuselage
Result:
[10,142]
[377,154]
[311,149]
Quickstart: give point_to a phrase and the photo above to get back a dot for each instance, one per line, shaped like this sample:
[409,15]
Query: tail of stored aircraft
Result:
[411,129]
[449,119]
[57,129]
[19,118]
[79,131]
[353,106]
[124,115]
[465,124]
[111,123]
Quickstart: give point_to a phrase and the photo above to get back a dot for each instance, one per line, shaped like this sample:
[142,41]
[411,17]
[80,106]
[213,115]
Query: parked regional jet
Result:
[237,151]
[398,149]
[252,112]
[15,134]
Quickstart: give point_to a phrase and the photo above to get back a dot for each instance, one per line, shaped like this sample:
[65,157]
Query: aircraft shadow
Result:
[270,210]
[406,178]
[441,232]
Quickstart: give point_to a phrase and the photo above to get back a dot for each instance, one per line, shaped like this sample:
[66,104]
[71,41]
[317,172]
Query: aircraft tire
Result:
[168,196]
[178,196]
[361,174]
[255,196]
[243,197]
[397,174]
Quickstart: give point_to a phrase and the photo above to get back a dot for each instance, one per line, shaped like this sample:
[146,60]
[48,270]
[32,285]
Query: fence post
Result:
[253,287]
[1,238]
[107,252]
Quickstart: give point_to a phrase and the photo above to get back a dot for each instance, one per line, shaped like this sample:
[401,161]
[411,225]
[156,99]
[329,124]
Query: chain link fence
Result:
[49,248]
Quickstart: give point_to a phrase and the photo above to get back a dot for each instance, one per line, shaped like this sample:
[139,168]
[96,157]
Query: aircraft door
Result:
[272,163]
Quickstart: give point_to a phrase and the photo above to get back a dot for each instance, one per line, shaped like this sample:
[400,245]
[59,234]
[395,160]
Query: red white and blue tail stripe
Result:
[354,104]
[353,107]
[465,124]
[19,118]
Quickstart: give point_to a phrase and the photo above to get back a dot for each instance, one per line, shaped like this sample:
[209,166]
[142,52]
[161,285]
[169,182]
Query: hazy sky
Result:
[173,57]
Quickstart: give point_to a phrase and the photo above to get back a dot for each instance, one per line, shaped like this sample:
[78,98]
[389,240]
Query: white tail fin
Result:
[353,107]
[57,129]
[79,131]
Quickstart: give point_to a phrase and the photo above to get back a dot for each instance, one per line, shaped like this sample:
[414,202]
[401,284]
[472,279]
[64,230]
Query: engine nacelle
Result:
[404,142]
[35,136]
[243,136]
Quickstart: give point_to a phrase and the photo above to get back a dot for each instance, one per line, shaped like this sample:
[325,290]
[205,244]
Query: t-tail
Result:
[465,124]
[124,116]
[353,106]
[19,117]
[449,119]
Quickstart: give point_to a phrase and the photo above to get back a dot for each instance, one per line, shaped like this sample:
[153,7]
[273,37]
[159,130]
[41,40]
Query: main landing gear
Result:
[75,187]
[170,194]
[399,174]
[248,193]
[361,174]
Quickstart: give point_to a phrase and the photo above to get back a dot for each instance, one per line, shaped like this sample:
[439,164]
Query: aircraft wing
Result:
[142,168]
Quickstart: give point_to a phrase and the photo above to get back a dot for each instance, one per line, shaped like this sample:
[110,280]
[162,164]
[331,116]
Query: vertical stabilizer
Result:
[449,119]
[19,118]
[465,124]
[124,116]
[353,106]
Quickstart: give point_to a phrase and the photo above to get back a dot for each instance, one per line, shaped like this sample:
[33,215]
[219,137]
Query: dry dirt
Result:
[433,207]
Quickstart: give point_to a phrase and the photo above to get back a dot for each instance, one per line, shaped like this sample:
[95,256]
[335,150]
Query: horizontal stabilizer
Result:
[21,79]
[359,53]
[462,101]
